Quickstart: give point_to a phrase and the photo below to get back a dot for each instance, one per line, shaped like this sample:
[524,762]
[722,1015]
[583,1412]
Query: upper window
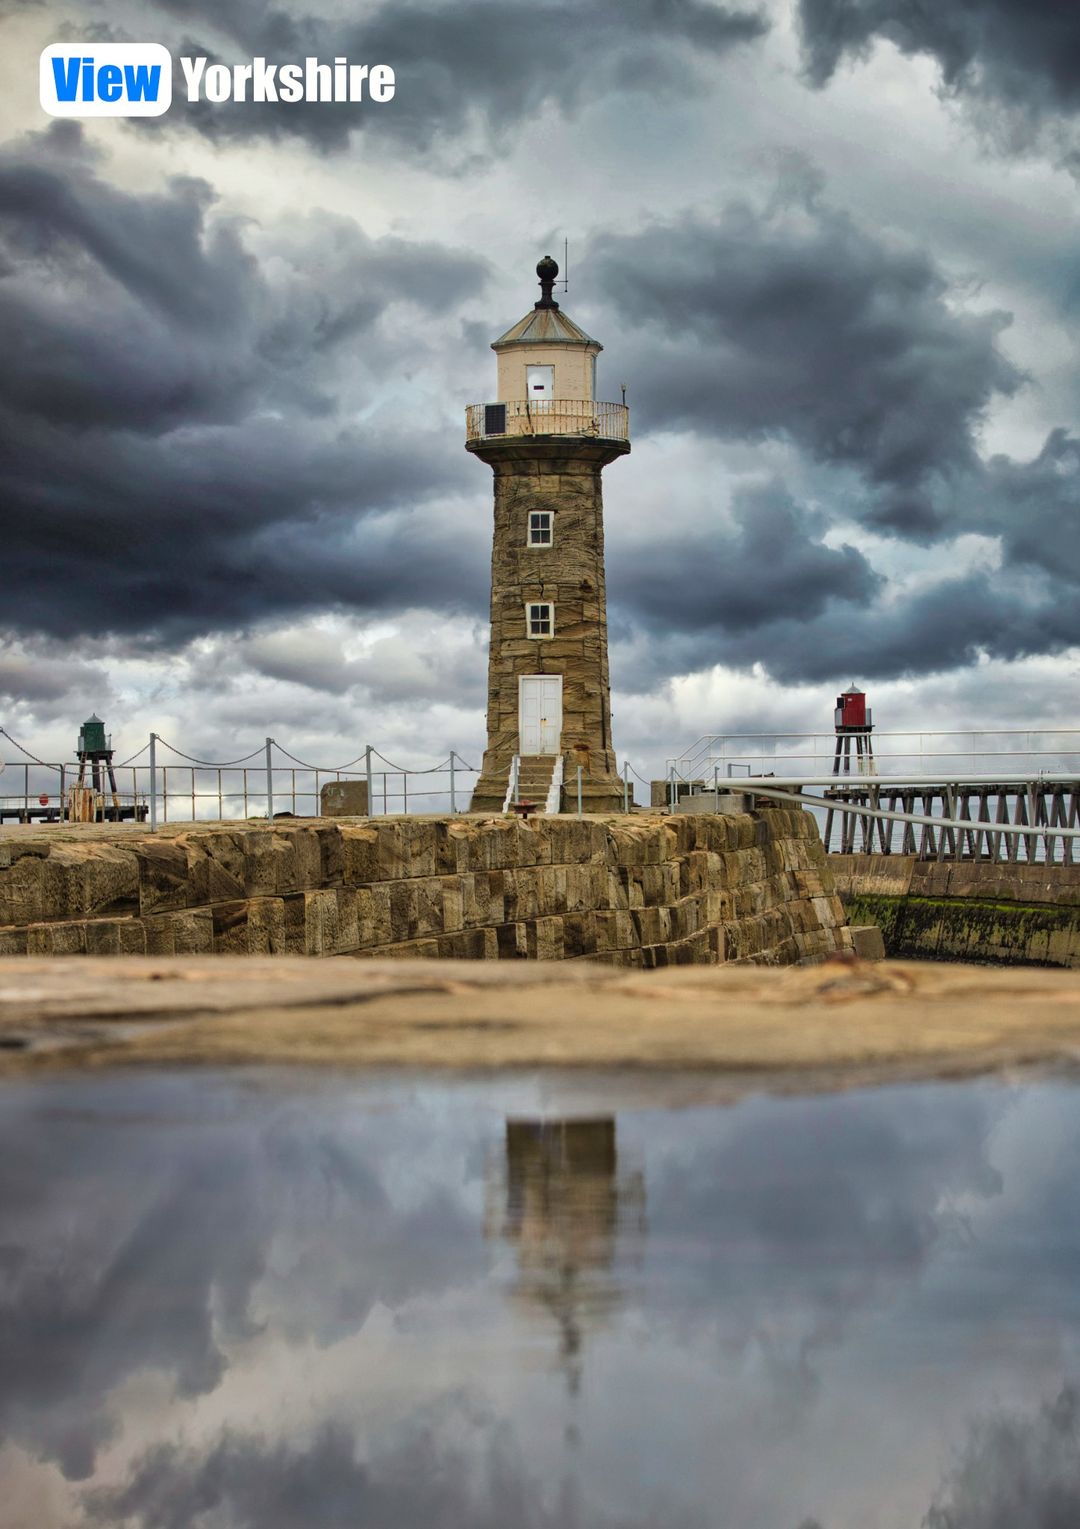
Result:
[541,528]
[540,619]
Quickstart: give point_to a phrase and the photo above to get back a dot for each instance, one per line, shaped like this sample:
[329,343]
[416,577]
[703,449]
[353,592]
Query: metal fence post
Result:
[626,785]
[716,787]
[153,783]
[453,801]
[63,770]
[370,788]
[671,790]
[579,790]
[269,784]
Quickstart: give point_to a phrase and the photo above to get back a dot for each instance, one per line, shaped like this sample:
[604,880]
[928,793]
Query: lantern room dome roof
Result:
[545,326]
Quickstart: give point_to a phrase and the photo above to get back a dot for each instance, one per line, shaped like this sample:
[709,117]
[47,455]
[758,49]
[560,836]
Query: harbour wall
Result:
[635,891]
[1015,915]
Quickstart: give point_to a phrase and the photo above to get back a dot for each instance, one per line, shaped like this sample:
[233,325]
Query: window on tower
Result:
[541,528]
[540,619]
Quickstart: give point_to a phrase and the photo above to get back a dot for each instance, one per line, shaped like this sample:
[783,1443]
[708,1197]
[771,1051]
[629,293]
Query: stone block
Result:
[868,942]
[319,922]
[360,855]
[191,932]
[215,869]
[56,939]
[343,799]
[22,890]
[115,937]
[545,939]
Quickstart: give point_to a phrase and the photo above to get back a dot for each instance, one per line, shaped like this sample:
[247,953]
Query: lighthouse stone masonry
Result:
[547,440]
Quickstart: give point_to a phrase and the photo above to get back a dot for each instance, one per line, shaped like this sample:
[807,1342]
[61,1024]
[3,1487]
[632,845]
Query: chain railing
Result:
[162,784]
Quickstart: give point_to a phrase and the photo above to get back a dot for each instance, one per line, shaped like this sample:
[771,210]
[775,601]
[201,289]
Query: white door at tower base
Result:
[539,713]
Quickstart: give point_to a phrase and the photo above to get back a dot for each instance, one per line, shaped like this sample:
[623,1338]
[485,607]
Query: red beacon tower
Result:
[854,725]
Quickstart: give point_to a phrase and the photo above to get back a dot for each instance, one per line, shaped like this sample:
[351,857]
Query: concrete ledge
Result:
[839,1022]
[905,876]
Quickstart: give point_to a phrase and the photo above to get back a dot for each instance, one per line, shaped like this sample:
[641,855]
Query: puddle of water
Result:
[228,1300]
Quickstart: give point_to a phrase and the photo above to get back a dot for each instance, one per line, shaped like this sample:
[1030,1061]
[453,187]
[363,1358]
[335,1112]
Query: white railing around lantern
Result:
[548,416]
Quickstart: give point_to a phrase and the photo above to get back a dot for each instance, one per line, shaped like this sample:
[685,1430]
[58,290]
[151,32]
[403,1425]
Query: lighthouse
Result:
[547,440]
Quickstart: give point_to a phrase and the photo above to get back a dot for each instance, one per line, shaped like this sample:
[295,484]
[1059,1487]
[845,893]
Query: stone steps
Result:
[534,779]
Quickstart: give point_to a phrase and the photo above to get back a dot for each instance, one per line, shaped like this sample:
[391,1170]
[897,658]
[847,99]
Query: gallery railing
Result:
[548,416]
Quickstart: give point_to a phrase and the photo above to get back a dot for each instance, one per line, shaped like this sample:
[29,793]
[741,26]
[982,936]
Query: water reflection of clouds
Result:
[281,1298]
[175,1246]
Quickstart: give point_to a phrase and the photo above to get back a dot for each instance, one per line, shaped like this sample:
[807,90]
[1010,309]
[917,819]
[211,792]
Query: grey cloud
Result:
[496,63]
[1025,53]
[183,452]
[1034,507]
[770,563]
[46,677]
[150,312]
[1016,1470]
[792,321]
[945,626]
[396,669]
[768,590]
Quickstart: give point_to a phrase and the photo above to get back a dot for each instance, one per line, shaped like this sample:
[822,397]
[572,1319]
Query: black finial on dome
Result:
[547,270]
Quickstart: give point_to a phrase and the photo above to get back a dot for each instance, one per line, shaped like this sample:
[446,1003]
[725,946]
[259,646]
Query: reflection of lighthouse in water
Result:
[572,1218]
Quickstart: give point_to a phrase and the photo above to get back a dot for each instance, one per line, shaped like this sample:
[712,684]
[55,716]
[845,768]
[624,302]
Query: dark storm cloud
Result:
[489,63]
[771,561]
[947,625]
[793,322]
[180,413]
[1025,53]
[1034,507]
[1016,1470]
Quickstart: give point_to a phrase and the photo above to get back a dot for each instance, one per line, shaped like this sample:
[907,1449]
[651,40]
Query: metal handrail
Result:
[973,744]
[889,815]
[511,787]
[554,796]
[552,416]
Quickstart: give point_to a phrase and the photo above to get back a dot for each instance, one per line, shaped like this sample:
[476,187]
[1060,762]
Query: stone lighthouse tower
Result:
[547,440]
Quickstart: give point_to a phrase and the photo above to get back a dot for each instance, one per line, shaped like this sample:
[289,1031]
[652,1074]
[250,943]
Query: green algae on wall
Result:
[972,929]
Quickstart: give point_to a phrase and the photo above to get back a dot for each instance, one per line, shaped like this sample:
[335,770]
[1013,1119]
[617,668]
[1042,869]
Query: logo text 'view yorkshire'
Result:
[136,80]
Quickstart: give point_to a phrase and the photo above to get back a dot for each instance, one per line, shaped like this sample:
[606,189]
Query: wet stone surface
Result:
[239,1298]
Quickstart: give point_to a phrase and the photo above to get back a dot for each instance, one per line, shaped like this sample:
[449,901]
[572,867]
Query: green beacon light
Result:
[92,736]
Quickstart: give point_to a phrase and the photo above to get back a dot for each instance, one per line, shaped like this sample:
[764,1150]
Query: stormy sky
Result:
[829,247]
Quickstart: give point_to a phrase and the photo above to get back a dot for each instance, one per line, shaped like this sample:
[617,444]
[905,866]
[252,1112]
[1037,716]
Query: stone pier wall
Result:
[1018,915]
[634,891]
